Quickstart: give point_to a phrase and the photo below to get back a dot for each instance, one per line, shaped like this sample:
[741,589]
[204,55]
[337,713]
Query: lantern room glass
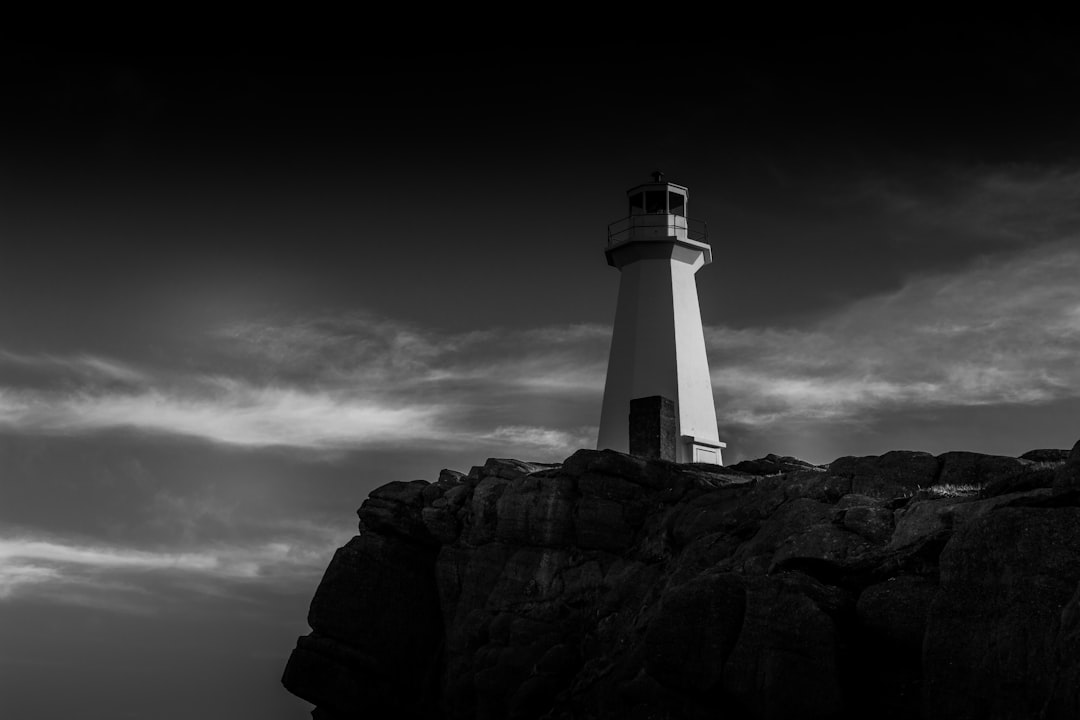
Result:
[658,202]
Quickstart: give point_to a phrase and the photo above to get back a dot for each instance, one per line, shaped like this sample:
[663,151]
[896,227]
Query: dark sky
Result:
[239,290]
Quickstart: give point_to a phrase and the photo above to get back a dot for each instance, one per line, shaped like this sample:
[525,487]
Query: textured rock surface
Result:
[772,465]
[1067,477]
[1006,578]
[897,586]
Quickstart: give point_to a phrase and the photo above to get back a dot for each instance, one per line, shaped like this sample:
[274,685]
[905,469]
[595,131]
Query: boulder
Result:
[772,465]
[928,518]
[870,518]
[442,524]
[397,509]
[1034,477]
[450,477]
[976,469]
[796,518]
[896,473]
[820,550]
[992,633]
[536,511]
[465,579]
[785,661]
[1067,477]
[724,509]
[1050,456]
[608,513]
[1064,700]
[508,468]
[670,479]
[884,669]
[376,624]
[895,610]
[483,515]
[693,632]
[812,484]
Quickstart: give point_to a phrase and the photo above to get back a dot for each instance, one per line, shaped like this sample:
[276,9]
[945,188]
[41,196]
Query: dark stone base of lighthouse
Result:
[653,430]
[904,585]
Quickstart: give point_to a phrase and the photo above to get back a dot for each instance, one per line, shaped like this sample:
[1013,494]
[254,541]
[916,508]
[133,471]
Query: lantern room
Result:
[658,198]
[658,225]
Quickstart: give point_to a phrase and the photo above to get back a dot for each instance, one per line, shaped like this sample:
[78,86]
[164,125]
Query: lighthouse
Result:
[658,385]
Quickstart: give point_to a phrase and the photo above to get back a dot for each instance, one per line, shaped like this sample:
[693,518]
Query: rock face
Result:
[899,586]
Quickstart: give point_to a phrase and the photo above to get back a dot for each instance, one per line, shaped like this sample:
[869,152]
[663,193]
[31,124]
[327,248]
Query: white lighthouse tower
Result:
[658,348]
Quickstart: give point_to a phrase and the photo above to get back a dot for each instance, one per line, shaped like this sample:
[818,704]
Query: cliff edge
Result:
[896,586]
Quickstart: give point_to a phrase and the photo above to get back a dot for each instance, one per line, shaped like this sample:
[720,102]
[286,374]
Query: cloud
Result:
[13,576]
[1021,202]
[327,384]
[1013,204]
[224,410]
[136,580]
[24,549]
[356,349]
[82,368]
[543,438]
[1004,330]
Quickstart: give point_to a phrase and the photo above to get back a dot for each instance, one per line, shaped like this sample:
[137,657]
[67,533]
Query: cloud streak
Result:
[224,410]
[131,579]
[332,384]
[1014,204]
[358,350]
[1002,331]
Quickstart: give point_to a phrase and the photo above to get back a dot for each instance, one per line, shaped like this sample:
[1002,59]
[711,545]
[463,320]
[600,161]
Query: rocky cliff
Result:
[896,586]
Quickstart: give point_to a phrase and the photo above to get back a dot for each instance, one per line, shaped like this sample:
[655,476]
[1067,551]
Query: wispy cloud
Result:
[82,367]
[13,576]
[224,410]
[542,438]
[26,549]
[1002,331]
[1010,204]
[356,350]
[137,580]
[330,384]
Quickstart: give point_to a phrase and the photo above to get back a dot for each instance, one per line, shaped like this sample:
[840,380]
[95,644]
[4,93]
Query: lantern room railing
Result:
[621,231]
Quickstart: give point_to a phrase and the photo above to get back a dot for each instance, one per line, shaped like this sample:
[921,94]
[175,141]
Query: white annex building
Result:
[658,348]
